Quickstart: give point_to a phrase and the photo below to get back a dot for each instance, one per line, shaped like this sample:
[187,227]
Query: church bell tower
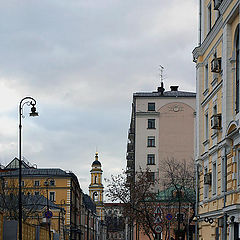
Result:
[96,186]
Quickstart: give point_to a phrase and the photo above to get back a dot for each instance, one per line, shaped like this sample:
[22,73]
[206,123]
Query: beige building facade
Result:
[162,127]
[217,129]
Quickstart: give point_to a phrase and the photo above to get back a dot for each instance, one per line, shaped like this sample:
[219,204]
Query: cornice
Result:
[147,113]
[198,51]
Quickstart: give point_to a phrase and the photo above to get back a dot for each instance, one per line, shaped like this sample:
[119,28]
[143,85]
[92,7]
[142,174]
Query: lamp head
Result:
[33,112]
[195,219]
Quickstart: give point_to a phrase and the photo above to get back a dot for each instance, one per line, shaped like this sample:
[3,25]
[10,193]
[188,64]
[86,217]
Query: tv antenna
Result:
[161,73]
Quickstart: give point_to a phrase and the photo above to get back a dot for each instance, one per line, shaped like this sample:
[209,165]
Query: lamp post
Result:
[30,102]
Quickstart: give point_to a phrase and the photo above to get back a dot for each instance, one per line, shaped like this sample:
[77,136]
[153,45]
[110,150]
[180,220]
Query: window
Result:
[52,182]
[205,186]
[36,183]
[206,77]
[206,126]
[209,17]
[151,159]
[237,71]
[151,176]
[151,141]
[214,178]
[151,123]
[214,109]
[36,193]
[151,106]
[52,196]
[223,174]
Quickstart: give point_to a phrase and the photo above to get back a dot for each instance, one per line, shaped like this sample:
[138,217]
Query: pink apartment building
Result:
[161,127]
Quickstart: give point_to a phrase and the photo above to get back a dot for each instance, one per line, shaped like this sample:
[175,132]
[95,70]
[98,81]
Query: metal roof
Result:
[165,94]
[36,172]
[88,202]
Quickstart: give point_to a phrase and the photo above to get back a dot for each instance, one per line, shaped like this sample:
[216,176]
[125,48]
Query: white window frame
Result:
[151,139]
[152,162]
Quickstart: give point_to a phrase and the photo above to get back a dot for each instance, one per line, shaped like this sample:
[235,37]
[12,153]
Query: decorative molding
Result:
[206,142]
[206,91]
[147,113]
[214,81]
[176,108]
[209,39]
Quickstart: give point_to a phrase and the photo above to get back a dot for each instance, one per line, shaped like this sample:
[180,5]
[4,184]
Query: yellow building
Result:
[96,187]
[60,187]
[217,127]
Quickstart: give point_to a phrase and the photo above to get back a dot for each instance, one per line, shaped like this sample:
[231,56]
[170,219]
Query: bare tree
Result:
[32,204]
[178,177]
[138,198]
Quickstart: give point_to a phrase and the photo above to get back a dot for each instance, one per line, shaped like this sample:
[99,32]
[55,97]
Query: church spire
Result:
[96,186]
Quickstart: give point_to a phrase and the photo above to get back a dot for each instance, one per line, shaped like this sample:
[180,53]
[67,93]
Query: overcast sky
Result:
[82,60]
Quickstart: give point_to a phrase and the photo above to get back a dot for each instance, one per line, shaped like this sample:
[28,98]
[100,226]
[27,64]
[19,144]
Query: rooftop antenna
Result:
[161,73]
[161,88]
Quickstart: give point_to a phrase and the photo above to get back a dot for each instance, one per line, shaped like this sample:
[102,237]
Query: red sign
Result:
[158,229]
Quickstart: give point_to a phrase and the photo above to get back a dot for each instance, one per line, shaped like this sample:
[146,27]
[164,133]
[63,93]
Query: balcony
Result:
[130,163]
[131,134]
[130,147]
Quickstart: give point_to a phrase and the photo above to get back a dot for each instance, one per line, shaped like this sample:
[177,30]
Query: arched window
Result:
[237,69]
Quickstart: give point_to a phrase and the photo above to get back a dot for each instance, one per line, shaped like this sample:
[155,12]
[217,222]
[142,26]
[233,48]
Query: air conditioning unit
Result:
[217,4]
[208,178]
[216,65]
[216,121]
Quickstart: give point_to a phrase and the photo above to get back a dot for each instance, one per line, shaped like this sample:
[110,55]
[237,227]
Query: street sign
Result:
[158,229]
[48,214]
[157,220]
[157,211]
[169,217]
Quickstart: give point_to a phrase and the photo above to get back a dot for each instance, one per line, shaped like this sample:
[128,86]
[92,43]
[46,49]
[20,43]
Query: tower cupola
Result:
[96,186]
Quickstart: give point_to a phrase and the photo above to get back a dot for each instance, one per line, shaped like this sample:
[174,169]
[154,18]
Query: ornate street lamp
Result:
[30,102]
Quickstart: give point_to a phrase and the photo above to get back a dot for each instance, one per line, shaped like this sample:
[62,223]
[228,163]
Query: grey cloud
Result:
[82,60]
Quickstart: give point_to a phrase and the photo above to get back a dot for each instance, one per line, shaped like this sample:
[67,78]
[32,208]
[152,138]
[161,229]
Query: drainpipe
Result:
[225,191]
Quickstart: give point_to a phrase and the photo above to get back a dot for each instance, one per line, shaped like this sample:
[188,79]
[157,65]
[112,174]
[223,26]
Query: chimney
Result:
[174,88]
[161,89]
